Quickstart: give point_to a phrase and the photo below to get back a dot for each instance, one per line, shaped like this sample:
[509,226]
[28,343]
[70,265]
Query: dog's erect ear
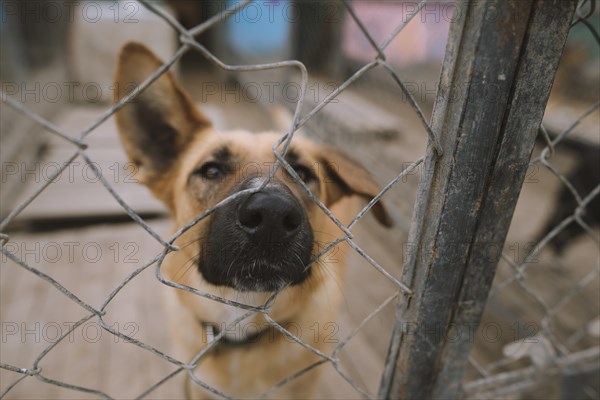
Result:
[345,177]
[156,124]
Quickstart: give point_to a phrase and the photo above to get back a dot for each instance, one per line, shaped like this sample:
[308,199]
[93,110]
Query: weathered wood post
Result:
[500,63]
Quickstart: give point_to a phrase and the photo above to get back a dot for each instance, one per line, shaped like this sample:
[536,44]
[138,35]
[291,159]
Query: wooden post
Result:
[500,63]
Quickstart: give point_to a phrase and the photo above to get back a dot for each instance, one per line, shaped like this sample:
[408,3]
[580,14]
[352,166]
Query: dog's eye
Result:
[211,170]
[304,173]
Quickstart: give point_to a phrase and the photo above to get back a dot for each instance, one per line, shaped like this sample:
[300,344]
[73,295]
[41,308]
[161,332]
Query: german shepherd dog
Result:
[258,243]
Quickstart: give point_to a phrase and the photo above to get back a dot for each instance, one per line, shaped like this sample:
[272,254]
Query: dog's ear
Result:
[345,177]
[156,124]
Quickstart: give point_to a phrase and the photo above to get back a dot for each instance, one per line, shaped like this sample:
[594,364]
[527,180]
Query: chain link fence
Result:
[545,347]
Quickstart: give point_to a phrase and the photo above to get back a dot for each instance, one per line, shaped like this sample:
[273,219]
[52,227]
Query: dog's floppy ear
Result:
[345,177]
[156,124]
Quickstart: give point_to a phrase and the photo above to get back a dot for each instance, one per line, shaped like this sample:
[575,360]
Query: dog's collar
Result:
[213,330]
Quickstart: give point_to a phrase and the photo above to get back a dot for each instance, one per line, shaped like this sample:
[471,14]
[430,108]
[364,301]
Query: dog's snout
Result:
[270,215]
[260,242]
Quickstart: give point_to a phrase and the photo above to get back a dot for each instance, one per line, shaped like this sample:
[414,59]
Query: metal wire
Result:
[188,42]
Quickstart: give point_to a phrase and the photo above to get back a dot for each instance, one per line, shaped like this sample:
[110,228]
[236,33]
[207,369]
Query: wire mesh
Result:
[518,270]
[188,42]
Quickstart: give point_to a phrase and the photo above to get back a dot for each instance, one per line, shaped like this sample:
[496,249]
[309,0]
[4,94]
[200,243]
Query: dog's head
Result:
[258,241]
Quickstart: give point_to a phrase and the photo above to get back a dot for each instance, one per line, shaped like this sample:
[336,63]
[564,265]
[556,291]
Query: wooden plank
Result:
[78,193]
[103,364]
[559,117]
[466,201]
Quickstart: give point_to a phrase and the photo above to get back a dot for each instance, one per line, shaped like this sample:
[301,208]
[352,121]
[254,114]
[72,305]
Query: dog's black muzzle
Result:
[260,242]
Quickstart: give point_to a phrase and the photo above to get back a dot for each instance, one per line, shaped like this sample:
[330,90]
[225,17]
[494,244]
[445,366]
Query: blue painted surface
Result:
[261,28]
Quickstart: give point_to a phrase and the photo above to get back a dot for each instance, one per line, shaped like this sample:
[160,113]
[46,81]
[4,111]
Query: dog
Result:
[256,244]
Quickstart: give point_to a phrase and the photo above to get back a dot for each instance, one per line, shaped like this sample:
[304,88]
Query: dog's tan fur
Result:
[168,139]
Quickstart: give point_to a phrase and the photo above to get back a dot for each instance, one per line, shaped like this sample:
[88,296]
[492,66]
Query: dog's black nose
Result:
[270,216]
[260,242]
